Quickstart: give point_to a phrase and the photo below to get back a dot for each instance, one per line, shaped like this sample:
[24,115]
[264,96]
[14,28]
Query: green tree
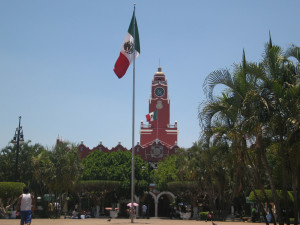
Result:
[58,170]
[116,166]
[230,118]
[98,190]
[167,171]
[176,174]
[25,166]
[259,106]
[218,174]
[282,93]
[223,118]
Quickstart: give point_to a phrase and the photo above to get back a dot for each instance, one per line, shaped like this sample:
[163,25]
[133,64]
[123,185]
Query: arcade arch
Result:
[161,203]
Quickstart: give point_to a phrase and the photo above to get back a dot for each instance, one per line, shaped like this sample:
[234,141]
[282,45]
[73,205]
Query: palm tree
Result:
[241,112]
[280,91]
[260,105]
[58,170]
[293,121]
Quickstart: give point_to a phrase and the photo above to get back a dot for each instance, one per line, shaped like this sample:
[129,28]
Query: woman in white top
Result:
[26,204]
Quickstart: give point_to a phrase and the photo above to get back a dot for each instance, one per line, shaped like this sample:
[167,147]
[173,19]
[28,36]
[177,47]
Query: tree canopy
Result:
[116,166]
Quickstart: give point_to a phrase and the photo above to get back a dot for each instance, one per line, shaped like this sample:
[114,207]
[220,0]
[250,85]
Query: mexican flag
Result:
[152,116]
[127,50]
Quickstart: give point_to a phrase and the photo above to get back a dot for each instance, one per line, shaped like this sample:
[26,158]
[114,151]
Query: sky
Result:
[57,59]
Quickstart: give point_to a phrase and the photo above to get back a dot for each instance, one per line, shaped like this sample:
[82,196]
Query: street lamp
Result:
[18,138]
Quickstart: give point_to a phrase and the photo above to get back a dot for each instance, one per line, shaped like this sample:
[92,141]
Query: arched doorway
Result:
[164,205]
[151,206]
[149,201]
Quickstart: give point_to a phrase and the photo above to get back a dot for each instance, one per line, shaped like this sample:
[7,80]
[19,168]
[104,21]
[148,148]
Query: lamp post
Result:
[18,138]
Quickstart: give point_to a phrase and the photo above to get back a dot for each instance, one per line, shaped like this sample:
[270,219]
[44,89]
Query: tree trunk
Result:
[257,178]
[260,147]
[285,193]
[295,169]
[253,187]
[284,158]
[296,208]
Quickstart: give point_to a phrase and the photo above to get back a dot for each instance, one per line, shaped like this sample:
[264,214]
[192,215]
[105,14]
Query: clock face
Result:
[159,91]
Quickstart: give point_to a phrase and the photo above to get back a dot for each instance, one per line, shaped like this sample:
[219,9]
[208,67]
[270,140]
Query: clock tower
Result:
[160,129]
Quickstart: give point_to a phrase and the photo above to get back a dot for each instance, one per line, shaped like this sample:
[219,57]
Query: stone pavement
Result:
[103,221]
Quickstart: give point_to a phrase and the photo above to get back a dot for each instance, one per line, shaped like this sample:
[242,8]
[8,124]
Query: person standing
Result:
[74,214]
[26,205]
[144,211]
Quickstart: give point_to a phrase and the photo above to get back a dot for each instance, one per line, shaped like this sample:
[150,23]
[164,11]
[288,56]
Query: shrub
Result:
[262,198]
[9,192]
[203,215]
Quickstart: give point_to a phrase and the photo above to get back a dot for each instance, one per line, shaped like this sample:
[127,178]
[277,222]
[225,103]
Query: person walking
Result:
[26,205]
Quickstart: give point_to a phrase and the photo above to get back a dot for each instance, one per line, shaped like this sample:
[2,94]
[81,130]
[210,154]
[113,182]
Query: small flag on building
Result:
[152,116]
[128,49]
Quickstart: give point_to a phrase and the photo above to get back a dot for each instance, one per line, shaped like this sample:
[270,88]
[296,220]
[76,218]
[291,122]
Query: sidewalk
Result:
[104,221]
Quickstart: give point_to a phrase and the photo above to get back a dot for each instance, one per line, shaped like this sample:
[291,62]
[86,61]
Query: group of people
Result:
[26,205]
[80,215]
[53,208]
[144,211]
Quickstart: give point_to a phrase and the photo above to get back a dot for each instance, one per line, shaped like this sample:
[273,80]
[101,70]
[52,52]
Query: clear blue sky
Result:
[57,59]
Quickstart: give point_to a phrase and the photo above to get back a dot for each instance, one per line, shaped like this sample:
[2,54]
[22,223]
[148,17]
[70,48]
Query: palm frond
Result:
[293,51]
[216,77]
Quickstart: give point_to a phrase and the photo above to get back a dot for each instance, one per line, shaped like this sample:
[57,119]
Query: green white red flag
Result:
[128,48]
[152,116]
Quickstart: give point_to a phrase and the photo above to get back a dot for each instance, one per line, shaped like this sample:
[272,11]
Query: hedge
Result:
[269,194]
[203,215]
[9,192]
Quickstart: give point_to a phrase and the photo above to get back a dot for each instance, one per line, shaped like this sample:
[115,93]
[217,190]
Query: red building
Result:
[152,153]
[158,138]
[161,128]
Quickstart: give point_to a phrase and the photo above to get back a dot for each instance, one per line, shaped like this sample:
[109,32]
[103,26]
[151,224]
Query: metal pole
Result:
[133,118]
[157,125]
[148,196]
[17,154]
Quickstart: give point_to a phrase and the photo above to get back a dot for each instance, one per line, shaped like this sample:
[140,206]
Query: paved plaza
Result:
[103,221]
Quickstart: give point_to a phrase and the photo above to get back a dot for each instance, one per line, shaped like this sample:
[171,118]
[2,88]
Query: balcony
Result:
[145,126]
[172,126]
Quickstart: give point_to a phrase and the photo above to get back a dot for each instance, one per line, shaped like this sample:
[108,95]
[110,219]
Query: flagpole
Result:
[133,118]
[157,125]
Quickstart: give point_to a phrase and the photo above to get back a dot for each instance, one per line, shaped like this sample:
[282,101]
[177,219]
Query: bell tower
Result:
[159,129]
